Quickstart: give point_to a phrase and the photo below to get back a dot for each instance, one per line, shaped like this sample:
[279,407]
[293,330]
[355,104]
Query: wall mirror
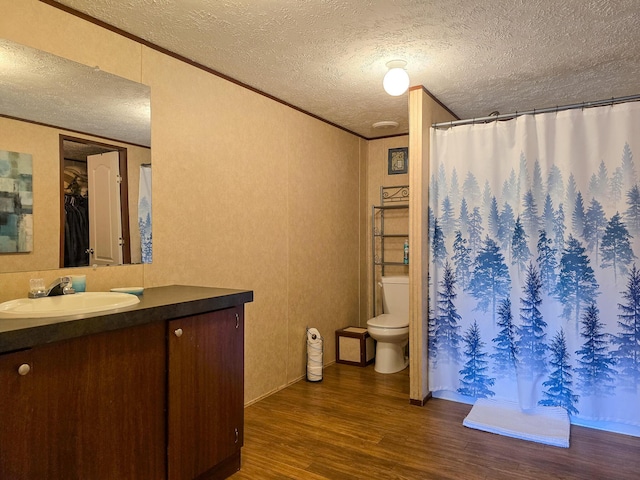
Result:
[66,111]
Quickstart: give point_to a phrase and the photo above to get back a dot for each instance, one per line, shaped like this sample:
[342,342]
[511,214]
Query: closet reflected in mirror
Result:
[106,204]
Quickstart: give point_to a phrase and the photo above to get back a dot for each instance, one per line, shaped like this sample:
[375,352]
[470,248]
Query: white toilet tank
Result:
[395,295]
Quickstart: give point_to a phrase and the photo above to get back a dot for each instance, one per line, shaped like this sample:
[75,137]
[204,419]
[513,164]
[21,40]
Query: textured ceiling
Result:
[328,57]
[44,88]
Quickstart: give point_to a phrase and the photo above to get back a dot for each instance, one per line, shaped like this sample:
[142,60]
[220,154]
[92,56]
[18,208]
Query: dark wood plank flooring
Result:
[358,424]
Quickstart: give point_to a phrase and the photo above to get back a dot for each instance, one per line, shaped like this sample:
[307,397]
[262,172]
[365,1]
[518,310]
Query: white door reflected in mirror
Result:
[105,224]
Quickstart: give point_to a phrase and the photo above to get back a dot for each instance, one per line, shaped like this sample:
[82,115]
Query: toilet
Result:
[391,329]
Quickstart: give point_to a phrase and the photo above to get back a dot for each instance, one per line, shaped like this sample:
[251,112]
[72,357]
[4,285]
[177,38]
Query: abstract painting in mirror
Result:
[16,202]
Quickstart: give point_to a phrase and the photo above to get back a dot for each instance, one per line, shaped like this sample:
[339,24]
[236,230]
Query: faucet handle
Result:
[37,288]
[67,285]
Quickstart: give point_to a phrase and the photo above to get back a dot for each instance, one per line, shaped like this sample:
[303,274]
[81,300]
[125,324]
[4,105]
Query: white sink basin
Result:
[77,303]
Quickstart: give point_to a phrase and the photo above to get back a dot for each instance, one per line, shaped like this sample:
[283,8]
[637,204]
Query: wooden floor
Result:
[358,424]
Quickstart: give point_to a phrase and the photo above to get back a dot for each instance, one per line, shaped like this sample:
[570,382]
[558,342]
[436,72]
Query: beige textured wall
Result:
[377,175]
[248,193]
[44,146]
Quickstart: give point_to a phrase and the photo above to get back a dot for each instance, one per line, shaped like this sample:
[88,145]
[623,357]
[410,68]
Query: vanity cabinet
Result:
[206,390]
[86,408]
[162,400]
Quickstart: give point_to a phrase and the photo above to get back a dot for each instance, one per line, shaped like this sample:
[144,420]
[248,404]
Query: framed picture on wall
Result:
[398,160]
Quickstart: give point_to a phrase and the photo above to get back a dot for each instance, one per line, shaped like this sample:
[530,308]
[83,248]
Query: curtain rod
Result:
[508,116]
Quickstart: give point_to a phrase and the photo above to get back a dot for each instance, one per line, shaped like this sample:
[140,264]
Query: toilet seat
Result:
[388,320]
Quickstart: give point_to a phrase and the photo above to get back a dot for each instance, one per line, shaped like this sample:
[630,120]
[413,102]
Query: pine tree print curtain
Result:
[534,275]
[144,214]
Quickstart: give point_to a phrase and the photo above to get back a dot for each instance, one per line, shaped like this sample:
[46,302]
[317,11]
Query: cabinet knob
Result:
[237,321]
[24,369]
[178,332]
[237,435]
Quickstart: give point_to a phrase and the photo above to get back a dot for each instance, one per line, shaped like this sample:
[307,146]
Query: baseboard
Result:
[281,387]
[420,403]
[224,469]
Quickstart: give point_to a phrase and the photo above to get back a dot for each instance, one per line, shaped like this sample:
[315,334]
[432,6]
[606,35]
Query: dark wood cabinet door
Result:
[17,405]
[91,407]
[206,389]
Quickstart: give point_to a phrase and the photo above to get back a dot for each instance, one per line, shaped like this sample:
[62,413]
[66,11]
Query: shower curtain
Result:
[144,214]
[534,274]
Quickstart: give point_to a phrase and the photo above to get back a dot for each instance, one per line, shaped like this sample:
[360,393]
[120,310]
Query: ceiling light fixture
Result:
[385,124]
[396,80]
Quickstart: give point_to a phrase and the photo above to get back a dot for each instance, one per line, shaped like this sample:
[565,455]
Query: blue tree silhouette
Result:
[632,214]
[454,189]
[462,260]
[475,230]
[471,189]
[548,214]
[147,240]
[530,217]
[595,375]
[506,191]
[558,392]
[599,184]
[577,217]
[438,248]
[474,381]
[432,340]
[506,351]
[615,248]
[520,253]
[486,198]
[430,220]
[434,195]
[463,219]
[537,184]
[603,180]
[523,176]
[547,263]
[558,229]
[555,185]
[490,281]
[627,167]
[442,179]
[510,189]
[577,285]
[448,221]
[531,331]
[494,219]
[505,230]
[571,194]
[447,321]
[595,223]
[628,339]
[615,186]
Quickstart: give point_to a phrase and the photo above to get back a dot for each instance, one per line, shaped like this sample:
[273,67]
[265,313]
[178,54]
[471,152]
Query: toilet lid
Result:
[388,320]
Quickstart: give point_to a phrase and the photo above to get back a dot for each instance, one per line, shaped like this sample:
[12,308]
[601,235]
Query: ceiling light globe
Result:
[396,81]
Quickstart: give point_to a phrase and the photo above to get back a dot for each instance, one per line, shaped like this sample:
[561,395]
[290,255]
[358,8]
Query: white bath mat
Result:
[548,425]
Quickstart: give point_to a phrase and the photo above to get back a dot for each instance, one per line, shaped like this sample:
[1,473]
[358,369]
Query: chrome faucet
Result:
[60,286]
